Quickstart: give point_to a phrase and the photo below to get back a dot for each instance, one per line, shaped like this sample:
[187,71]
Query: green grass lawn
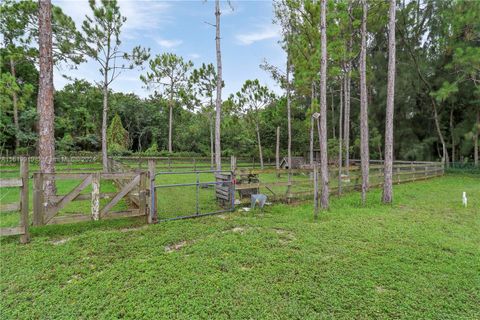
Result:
[418,259]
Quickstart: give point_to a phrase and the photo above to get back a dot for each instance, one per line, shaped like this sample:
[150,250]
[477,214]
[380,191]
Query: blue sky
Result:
[248,37]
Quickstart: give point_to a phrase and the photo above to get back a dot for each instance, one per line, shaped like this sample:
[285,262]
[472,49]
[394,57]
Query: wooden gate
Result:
[22,205]
[47,208]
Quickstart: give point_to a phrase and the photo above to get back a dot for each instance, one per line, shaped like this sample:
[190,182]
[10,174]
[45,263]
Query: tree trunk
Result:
[388,163]
[170,124]
[323,106]
[340,140]
[277,150]
[289,116]
[45,95]
[15,106]
[364,150]
[334,134]
[475,135]
[212,150]
[445,159]
[104,126]
[218,102]
[260,153]
[347,89]
[452,136]
[312,123]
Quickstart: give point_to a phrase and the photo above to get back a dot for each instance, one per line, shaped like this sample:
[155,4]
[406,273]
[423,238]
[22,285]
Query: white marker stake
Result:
[464,199]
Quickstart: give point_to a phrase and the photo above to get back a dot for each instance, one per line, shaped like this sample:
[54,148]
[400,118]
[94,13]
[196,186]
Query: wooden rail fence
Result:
[22,205]
[46,209]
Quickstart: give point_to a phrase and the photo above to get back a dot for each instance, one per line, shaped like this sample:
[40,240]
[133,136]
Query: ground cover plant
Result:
[416,259]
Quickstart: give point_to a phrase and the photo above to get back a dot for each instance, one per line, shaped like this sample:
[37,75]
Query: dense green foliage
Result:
[437,66]
[417,259]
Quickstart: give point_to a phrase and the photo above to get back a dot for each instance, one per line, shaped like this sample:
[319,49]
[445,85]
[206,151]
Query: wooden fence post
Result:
[315,190]
[169,165]
[412,167]
[96,196]
[152,217]
[25,237]
[38,199]
[142,195]
[277,150]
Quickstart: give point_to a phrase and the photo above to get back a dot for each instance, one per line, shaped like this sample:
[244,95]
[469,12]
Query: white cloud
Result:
[141,15]
[265,33]
[169,43]
[194,56]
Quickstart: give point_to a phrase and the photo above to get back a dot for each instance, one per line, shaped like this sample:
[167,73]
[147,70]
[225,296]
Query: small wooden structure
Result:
[245,179]
[223,188]
[297,162]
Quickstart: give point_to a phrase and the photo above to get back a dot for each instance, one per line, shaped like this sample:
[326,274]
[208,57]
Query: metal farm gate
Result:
[191,194]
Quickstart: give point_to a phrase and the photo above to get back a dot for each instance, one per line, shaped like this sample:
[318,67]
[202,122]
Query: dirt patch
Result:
[59,241]
[285,235]
[176,246]
[236,230]
[380,289]
[133,228]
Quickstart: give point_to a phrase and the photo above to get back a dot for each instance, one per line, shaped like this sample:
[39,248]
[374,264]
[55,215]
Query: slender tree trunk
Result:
[346,122]
[475,137]
[170,125]
[340,139]
[45,95]
[347,89]
[104,126]
[15,106]
[312,123]
[323,106]
[277,150]
[445,159]
[218,102]
[388,163]
[212,146]
[260,153]
[364,150]
[334,134]
[289,117]
[452,136]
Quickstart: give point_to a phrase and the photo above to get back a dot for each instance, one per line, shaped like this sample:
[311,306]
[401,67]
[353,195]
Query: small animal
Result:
[464,199]
[258,199]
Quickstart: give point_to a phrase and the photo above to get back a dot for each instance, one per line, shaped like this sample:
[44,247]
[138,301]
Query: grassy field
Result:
[418,259]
